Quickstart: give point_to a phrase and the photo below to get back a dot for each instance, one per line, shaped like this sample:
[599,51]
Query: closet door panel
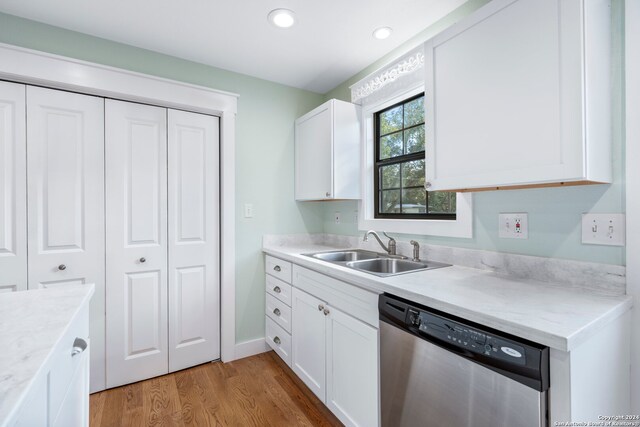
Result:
[194,328]
[65,191]
[136,194]
[13,192]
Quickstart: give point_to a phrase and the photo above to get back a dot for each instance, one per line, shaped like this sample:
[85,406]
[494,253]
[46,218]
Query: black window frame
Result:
[421,155]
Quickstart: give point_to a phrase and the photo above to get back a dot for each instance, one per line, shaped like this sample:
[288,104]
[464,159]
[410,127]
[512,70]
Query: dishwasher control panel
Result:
[471,339]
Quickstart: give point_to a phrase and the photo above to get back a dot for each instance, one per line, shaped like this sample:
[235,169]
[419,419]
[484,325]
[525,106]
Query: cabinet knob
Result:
[142,260]
[62,267]
[276,340]
[326,311]
[427,185]
[320,307]
[277,268]
[276,311]
[277,289]
[327,194]
[79,345]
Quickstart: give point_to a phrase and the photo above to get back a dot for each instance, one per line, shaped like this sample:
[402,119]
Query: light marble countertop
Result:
[561,318]
[31,324]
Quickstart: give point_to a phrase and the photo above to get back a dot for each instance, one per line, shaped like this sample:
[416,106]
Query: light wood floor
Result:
[257,391]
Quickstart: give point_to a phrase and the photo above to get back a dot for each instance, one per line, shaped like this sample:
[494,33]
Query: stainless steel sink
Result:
[375,263]
[345,256]
[392,266]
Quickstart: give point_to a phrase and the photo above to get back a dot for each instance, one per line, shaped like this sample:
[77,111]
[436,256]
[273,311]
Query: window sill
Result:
[461,227]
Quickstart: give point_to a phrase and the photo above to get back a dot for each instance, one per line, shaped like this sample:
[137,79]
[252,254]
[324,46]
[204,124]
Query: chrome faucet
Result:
[416,250]
[391,250]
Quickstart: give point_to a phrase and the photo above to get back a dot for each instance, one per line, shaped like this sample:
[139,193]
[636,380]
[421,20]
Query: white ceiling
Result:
[330,42]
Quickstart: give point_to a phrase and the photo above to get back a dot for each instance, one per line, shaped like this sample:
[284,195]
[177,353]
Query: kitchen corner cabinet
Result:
[518,95]
[327,152]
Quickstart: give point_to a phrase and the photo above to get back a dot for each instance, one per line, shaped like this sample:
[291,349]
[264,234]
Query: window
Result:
[399,171]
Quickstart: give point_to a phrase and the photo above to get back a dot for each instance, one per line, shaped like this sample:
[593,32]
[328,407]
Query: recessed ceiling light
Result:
[282,18]
[382,33]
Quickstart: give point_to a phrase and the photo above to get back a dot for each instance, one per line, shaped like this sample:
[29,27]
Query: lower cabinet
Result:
[336,356]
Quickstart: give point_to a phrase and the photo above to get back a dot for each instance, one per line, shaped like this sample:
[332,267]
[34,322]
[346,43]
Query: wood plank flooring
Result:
[257,391]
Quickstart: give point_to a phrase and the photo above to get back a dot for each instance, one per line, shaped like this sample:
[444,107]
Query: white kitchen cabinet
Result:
[65,182]
[278,313]
[136,194]
[194,242]
[327,152]
[334,353]
[309,341]
[518,95]
[13,181]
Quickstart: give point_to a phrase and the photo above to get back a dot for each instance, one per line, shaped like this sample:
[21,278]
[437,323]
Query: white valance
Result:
[402,74]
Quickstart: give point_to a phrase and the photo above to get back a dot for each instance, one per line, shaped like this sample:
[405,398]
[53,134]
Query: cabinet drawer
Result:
[279,312]
[279,340]
[64,364]
[278,268]
[279,289]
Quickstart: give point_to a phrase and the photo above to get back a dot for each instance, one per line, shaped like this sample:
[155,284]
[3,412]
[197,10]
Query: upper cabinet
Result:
[518,95]
[327,152]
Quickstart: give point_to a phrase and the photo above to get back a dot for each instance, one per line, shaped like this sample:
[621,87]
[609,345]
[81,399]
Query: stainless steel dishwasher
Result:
[440,370]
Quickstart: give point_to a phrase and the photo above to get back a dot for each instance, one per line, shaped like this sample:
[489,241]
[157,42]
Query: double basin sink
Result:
[379,264]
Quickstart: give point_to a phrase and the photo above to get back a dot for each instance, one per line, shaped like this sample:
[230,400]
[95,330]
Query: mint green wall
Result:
[264,146]
[554,213]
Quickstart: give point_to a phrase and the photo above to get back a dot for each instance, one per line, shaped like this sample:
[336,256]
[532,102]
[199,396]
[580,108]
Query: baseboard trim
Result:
[250,348]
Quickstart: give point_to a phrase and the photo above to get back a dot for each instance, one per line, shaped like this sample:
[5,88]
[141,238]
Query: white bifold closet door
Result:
[194,248]
[13,191]
[65,191]
[136,195]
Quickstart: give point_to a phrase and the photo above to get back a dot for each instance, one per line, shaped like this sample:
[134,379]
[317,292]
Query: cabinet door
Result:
[13,191]
[504,97]
[352,370]
[194,287]
[309,341]
[136,194]
[74,410]
[314,154]
[65,180]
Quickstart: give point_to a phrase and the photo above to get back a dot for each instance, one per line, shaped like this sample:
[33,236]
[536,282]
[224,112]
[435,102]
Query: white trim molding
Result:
[251,348]
[632,156]
[405,65]
[58,72]
[462,226]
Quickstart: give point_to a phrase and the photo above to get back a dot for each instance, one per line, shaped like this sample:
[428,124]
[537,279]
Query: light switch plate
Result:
[248,210]
[603,229]
[513,225]
[336,217]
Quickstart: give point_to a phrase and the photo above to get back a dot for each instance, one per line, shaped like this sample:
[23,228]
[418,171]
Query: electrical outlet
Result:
[603,229]
[336,217]
[248,210]
[513,226]
[355,216]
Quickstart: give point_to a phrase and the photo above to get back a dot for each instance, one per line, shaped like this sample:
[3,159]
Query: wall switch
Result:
[355,216]
[513,226]
[603,229]
[248,210]
[336,217]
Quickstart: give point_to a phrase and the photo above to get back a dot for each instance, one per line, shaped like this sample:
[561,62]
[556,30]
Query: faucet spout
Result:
[391,249]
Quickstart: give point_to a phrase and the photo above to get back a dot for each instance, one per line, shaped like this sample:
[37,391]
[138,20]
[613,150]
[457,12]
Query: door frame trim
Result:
[58,72]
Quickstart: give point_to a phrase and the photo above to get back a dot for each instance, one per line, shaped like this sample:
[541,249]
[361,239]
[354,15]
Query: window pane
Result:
[390,201]
[414,112]
[414,139]
[391,145]
[442,202]
[391,121]
[414,201]
[413,173]
[390,176]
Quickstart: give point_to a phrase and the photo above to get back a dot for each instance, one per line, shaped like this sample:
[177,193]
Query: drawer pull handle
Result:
[142,260]
[326,311]
[320,307]
[276,340]
[62,267]
[276,311]
[79,345]
[277,289]
[277,268]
